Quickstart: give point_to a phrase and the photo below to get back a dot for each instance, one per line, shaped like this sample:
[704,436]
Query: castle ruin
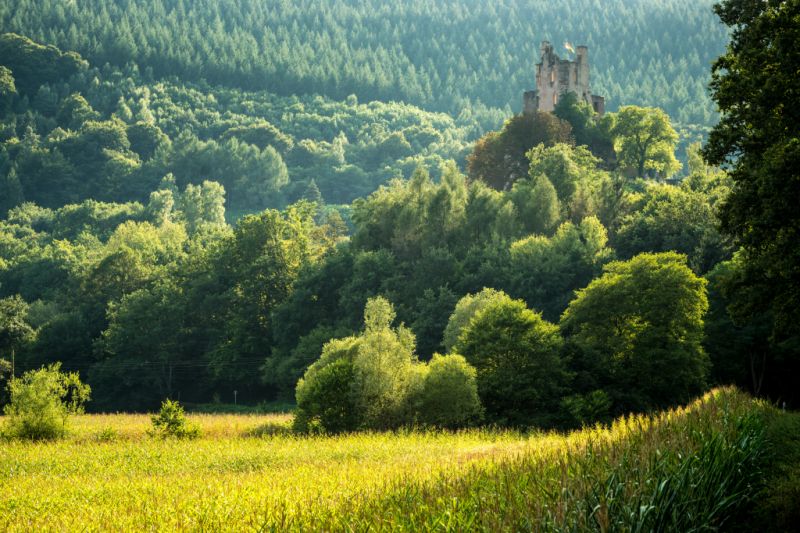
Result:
[556,76]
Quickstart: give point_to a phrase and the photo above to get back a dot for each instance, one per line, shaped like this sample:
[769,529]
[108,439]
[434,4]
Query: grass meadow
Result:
[685,469]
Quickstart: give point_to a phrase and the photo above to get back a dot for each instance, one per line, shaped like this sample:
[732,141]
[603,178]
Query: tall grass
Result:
[682,470]
[685,470]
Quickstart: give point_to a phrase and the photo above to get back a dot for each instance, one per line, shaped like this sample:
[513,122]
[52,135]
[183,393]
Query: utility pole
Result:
[234,396]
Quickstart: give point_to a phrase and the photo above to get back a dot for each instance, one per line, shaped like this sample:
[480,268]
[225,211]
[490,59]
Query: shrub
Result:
[449,397]
[325,402]
[521,376]
[41,402]
[374,381]
[107,434]
[171,422]
[585,409]
[380,375]
[319,393]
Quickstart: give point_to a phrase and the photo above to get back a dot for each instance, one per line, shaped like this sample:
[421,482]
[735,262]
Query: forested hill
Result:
[458,56]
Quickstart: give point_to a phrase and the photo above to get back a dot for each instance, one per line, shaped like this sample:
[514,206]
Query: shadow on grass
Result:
[270,429]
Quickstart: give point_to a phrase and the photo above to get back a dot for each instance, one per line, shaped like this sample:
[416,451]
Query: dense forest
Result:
[124,266]
[461,57]
[72,132]
[185,223]
[309,266]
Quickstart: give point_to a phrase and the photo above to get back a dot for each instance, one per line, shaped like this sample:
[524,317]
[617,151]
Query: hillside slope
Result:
[446,56]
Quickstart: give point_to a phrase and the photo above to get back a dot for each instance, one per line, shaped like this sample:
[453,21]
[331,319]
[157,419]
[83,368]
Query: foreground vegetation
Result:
[694,466]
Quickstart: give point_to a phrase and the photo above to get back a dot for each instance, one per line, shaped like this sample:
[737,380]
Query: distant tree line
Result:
[456,56]
[70,132]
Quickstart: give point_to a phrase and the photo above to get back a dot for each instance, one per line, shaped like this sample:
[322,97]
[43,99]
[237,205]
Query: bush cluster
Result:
[629,341]
[374,381]
[171,421]
[42,402]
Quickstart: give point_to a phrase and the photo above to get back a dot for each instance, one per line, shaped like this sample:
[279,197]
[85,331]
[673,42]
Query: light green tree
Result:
[466,308]
[42,401]
[644,139]
[203,205]
[383,366]
[537,204]
[449,396]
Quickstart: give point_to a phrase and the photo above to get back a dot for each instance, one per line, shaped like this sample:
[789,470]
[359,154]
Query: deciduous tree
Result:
[645,140]
[758,139]
[639,330]
[516,353]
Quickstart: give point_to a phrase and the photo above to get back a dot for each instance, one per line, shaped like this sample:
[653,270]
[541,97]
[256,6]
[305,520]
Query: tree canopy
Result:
[758,139]
[516,353]
[638,331]
[645,140]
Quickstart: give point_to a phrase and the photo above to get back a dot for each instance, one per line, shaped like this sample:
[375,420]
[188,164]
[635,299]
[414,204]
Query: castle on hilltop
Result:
[555,76]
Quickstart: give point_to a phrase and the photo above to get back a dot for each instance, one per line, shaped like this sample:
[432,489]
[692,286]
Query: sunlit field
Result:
[250,473]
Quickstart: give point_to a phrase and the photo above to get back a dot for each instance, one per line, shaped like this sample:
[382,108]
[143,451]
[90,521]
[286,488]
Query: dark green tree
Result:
[74,111]
[672,218]
[545,272]
[639,330]
[521,376]
[758,140]
[5,375]
[146,138]
[313,195]
[537,204]
[10,191]
[8,90]
[15,331]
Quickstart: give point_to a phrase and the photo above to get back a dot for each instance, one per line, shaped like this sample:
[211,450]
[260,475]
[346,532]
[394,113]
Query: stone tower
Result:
[555,76]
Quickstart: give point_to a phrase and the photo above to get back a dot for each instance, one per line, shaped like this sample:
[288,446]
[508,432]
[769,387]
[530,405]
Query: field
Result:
[247,472]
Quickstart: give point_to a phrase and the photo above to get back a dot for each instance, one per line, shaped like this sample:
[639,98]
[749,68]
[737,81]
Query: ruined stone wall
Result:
[556,76]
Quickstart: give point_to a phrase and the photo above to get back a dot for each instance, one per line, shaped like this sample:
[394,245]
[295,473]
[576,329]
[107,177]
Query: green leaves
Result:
[674,219]
[645,141]
[14,327]
[171,422]
[42,401]
[374,381]
[516,353]
[638,330]
[758,139]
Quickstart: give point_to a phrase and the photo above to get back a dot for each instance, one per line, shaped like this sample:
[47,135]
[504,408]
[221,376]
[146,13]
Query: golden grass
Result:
[231,480]
[213,426]
[227,479]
